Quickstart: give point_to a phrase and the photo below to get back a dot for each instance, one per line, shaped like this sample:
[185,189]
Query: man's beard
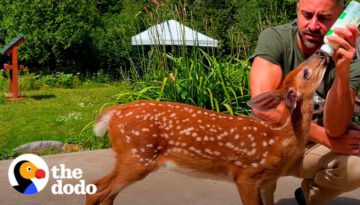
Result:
[309,44]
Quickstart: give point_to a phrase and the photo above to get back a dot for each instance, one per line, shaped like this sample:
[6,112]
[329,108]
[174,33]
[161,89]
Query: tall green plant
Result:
[199,79]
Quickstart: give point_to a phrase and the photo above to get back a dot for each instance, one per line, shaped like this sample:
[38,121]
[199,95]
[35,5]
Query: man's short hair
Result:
[340,2]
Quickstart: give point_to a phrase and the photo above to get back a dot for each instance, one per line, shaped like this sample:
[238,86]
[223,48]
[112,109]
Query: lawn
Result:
[52,114]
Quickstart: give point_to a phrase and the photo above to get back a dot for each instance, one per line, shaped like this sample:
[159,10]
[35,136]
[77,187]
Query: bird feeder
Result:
[11,49]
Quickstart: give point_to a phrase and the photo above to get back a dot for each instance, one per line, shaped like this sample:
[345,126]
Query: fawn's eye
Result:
[307,73]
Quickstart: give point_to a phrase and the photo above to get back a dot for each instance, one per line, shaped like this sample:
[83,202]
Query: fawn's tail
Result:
[101,125]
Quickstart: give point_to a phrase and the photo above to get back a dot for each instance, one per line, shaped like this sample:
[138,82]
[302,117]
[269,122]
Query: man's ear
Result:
[290,98]
[266,101]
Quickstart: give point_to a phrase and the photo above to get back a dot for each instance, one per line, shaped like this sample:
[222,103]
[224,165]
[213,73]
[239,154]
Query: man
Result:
[331,163]
[358,48]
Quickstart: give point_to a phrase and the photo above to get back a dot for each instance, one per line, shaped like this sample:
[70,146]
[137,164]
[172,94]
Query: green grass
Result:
[53,114]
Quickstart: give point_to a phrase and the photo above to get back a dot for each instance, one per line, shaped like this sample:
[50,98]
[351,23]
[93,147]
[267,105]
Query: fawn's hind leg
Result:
[122,176]
[249,192]
[267,193]
[103,182]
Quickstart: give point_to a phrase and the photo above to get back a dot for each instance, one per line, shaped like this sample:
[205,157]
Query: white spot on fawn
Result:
[230,145]
[263,134]
[137,133]
[128,114]
[128,139]
[286,142]
[252,152]
[208,151]
[265,154]
[238,163]
[186,131]
[145,129]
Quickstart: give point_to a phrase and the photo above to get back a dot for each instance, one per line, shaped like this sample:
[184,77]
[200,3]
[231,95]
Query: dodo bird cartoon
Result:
[24,171]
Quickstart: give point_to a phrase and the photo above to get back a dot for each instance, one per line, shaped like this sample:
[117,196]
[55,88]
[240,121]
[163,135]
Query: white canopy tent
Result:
[172,32]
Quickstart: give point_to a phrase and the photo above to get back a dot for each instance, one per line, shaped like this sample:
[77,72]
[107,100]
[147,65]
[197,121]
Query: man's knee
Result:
[342,172]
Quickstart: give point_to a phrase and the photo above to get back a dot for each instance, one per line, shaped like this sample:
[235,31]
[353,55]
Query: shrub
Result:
[201,80]
[28,81]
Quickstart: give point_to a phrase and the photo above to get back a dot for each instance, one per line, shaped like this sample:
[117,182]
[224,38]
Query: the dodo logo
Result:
[28,174]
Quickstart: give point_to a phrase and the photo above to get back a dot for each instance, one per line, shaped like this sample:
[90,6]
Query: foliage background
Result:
[87,35]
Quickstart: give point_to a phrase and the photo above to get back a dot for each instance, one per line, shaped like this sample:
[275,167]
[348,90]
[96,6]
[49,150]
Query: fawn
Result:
[253,153]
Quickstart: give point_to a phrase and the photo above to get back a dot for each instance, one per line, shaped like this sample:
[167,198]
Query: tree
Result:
[55,31]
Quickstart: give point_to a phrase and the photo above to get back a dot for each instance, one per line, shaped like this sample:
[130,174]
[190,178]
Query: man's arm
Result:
[341,96]
[339,108]
[346,144]
[266,76]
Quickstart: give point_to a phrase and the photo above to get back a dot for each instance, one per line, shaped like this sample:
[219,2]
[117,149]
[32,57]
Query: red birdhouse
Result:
[11,49]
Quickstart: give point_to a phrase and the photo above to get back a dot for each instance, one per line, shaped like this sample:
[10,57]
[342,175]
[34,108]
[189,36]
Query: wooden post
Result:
[11,49]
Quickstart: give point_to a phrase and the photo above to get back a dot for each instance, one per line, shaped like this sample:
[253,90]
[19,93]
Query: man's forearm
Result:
[338,107]
[274,115]
[318,134]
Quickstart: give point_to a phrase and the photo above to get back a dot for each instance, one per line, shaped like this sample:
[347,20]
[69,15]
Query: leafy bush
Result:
[201,80]
[33,81]
[3,79]
[2,97]
[55,31]
[59,79]
[100,77]
[29,81]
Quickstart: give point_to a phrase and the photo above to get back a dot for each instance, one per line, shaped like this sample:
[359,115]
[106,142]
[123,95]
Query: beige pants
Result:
[327,174]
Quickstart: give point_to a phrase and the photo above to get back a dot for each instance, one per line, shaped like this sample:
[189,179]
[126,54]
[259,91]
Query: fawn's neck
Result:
[301,121]
[297,122]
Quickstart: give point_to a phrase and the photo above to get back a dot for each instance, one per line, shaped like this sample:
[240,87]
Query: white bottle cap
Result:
[327,49]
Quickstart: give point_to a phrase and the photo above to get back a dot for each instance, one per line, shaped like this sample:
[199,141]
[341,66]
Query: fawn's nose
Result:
[319,53]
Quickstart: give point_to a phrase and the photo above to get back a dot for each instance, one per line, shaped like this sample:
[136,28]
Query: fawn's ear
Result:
[266,101]
[290,98]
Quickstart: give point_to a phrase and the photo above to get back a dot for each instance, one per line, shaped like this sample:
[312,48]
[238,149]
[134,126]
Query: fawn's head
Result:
[300,83]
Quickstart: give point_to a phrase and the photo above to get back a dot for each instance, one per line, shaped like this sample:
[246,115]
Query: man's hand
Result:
[349,143]
[346,51]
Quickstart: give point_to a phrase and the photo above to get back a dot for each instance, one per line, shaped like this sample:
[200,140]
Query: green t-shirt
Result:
[279,46]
